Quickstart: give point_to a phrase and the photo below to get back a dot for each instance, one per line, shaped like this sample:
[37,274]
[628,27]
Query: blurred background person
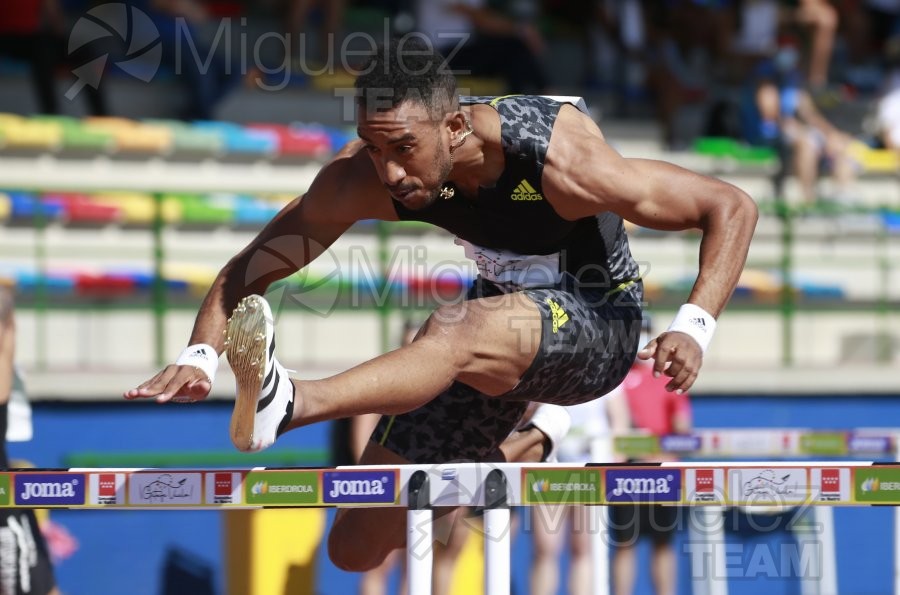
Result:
[780,112]
[29,570]
[820,18]
[888,104]
[488,39]
[654,410]
[208,68]
[553,526]
[35,32]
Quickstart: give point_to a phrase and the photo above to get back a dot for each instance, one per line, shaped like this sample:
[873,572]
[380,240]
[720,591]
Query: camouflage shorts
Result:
[589,340]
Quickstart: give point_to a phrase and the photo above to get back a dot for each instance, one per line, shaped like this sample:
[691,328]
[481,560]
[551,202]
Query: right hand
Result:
[175,382]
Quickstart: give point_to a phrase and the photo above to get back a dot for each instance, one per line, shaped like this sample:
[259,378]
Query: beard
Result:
[443,166]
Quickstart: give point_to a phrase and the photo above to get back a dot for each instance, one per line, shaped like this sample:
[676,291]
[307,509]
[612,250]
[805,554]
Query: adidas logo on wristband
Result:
[200,356]
[696,322]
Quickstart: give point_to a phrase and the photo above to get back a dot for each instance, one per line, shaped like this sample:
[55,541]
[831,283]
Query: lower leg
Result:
[624,565]
[374,582]
[391,384]
[806,162]
[445,555]
[580,572]
[824,25]
[663,568]
[547,541]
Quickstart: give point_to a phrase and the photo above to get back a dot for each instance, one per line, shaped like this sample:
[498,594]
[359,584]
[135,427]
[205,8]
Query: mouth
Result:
[402,194]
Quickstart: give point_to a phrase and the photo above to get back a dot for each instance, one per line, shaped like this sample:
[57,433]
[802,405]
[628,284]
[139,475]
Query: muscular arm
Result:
[345,191]
[584,176]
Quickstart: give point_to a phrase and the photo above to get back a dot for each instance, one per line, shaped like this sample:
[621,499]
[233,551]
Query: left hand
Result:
[676,355]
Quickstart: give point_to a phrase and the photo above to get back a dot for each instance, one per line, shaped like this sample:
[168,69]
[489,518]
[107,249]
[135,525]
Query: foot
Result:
[554,422]
[265,394]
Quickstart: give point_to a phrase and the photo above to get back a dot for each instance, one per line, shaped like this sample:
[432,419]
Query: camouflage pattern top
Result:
[511,220]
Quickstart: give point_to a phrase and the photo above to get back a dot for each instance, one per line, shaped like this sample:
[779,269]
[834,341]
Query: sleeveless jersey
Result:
[511,231]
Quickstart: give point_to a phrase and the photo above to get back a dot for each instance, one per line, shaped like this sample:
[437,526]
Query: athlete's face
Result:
[410,152]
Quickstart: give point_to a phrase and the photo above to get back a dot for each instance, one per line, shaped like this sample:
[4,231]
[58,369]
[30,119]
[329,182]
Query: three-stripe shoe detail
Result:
[269,389]
[264,404]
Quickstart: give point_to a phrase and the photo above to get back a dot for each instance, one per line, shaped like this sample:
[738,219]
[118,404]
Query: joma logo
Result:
[356,487]
[47,490]
[641,485]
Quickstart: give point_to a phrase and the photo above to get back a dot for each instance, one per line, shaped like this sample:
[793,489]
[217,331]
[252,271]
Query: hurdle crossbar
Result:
[706,487]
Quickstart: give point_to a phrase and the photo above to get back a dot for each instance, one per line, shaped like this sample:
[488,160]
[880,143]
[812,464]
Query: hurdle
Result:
[421,488]
[771,443]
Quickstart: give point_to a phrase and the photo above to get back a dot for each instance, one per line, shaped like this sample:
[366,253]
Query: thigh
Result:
[497,336]
[461,424]
[588,344]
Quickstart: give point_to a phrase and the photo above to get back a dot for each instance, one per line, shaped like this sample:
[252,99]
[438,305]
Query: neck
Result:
[473,162]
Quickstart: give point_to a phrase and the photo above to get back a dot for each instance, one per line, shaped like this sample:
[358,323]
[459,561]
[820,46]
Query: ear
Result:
[456,123]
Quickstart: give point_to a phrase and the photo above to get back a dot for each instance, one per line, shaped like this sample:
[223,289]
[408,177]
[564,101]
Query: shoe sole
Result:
[245,347]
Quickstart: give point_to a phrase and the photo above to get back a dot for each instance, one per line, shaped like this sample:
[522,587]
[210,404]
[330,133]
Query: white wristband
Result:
[201,356]
[695,321]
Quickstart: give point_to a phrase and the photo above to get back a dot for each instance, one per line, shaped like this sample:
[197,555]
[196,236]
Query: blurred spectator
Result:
[821,18]
[597,419]
[867,25]
[670,81]
[329,13]
[28,569]
[501,39]
[760,22]
[889,103]
[780,113]
[209,69]
[657,411]
[34,31]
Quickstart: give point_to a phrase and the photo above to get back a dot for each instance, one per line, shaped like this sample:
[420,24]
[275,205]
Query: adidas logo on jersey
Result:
[525,191]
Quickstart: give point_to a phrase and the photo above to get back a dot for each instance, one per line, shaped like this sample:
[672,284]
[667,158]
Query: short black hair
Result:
[407,69]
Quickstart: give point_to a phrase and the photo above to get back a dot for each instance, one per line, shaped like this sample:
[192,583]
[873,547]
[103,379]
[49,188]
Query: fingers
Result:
[648,351]
[180,383]
[676,355]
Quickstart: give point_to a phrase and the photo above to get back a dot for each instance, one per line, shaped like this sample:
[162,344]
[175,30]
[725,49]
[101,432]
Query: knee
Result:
[450,324]
[350,556]
[351,553]
[828,17]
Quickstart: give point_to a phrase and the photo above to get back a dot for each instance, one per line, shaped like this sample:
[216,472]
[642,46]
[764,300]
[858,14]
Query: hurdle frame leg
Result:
[419,535]
[598,524]
[497,542]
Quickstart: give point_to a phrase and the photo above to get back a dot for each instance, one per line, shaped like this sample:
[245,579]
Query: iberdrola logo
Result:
[541,486]
[259,488]
[871,485]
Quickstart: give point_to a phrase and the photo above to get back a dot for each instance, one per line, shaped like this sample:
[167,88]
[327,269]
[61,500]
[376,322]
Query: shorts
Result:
[25,567]
[589,338]
[627,523]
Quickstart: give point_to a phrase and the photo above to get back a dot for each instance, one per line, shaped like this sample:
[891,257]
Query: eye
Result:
[371,148]
[404,149]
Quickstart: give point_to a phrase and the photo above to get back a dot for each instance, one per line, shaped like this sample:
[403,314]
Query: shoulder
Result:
[577,163]
[348,189]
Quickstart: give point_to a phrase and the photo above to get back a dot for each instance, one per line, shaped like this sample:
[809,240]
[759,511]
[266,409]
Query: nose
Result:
[393,173]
